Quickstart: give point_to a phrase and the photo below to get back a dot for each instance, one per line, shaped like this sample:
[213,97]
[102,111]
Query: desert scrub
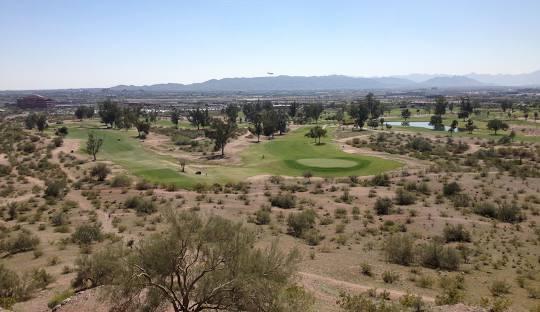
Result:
[140,205]
[286,200]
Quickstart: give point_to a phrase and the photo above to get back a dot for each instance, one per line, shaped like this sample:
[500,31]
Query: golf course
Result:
[291,154]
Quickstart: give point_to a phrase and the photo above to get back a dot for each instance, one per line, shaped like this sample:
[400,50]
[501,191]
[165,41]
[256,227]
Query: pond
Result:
[416,124]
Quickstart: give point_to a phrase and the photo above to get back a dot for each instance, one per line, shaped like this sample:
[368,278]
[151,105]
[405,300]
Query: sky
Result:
[47,44]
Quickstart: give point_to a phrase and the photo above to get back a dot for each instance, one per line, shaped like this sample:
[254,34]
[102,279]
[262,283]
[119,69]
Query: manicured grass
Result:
[292,154]
[281,155]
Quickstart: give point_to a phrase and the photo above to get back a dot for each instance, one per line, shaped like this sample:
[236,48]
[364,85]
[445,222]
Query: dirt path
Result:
[314,282]
[75,195]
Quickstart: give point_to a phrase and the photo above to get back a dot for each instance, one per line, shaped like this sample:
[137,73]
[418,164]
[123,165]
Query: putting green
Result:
[327,162]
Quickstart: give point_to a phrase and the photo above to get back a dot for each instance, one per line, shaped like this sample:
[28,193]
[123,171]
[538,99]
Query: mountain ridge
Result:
[342,82]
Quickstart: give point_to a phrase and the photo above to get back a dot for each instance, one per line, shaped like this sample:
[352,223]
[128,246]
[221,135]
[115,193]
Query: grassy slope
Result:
[121,147]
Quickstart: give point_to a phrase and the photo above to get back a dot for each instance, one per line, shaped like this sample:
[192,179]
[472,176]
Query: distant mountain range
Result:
[340,82]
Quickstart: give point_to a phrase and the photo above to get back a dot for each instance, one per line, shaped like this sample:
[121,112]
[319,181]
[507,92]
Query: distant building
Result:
[34,101]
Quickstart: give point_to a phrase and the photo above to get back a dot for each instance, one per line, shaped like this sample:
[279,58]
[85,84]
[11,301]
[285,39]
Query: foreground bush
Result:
[212,264]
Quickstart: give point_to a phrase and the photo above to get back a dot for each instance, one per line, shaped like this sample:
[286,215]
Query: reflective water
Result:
[417,124]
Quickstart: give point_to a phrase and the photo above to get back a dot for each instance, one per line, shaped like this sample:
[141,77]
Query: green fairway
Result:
[292,154]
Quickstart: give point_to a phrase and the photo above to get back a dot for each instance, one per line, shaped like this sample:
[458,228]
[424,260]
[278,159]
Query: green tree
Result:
[453,127]
[406,114]
[496,125]
[220,132]
[470,126]
[314,111]
[440,105]
[232,112]
[80,113]
[256,128]
[293,109]
[436,122]
[41,121]
[175,117]
[143,128]
[205,265]
[506,104]
[269,122]
[359,112]
[109,112]
[199,118]
[93,144]
[30,121]
[316,133]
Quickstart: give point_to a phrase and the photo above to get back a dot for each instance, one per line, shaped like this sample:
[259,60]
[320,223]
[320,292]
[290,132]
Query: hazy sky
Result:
[101,43]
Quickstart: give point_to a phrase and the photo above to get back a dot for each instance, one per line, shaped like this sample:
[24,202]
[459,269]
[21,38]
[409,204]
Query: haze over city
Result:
[83,44]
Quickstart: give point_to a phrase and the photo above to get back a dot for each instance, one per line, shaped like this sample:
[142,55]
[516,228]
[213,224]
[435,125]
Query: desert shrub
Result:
[142,185]
[499,288]
[366,303]
[451,189]
[456,233]
[509,212]
[399,249]
[40,279]
[383,205]
[437,256]
[299,223]
[99,268]
[366,269]
[286,200]
[485,209]
[60,218]
[23,241]
[461,200]
[140,205]
[312,236]
[505,212]
[121,181]
[55,189]
[451,292]
[390,277]
[12,289]
[340,213]
[404,197]
[86,234]
[59,298]
[58,141]
[380,180]
[262,216]
[100,171]
[27,147]
[420,144]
